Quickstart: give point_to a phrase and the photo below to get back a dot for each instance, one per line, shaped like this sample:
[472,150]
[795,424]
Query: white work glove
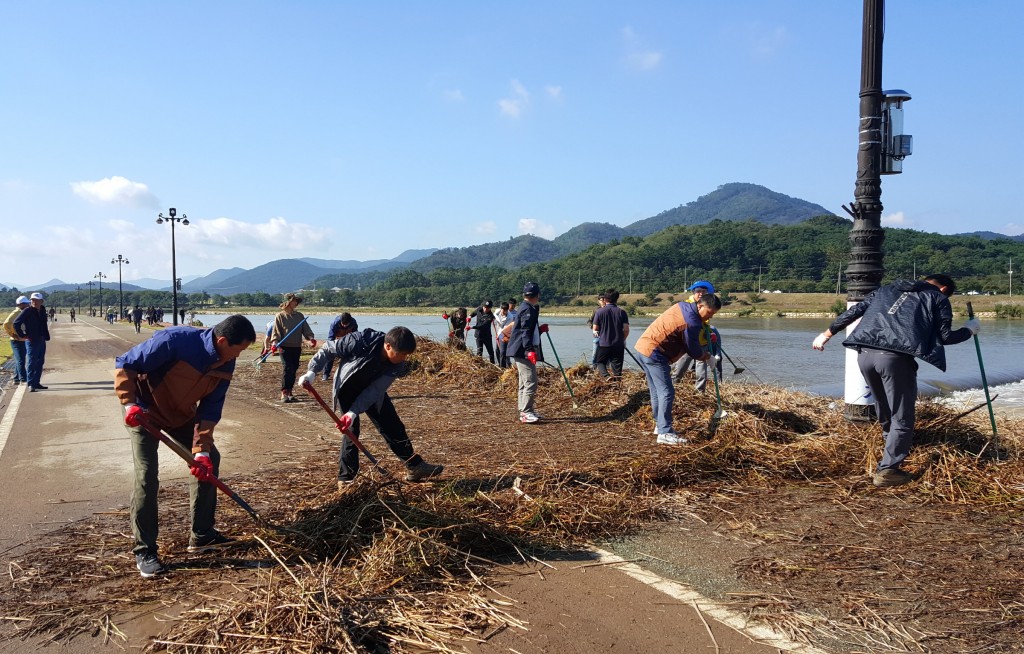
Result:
[974,325]
[307,378]
[820,340]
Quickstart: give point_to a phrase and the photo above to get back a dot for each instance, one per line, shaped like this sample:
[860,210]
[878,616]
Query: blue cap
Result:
[531,289]
[700,283]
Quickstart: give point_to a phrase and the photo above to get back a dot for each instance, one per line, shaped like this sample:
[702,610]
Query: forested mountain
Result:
[988,236]
[729,202]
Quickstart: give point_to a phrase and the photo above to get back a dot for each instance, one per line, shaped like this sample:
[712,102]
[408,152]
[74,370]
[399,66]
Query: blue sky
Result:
[357,130]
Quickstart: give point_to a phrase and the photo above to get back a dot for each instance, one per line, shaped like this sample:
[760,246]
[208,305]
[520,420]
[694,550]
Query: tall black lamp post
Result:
[100,276]
[78,298]
[90,284]
[172,218]
[120,289]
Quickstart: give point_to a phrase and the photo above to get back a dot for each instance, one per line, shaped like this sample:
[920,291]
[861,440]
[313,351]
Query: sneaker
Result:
[291,399]
[149,565]
[345,483]
[207,543]
[423,470]
[889,477]
[528,417]
[671,439]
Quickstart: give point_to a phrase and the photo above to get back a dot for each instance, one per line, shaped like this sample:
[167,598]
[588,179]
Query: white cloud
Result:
[453,95]
[638,55]
[121,226]
[536,227]
[116,190]
[766,42]
[486,227]
[1013,229]
[515,105]
[897,219]
[275,234]
[554,92]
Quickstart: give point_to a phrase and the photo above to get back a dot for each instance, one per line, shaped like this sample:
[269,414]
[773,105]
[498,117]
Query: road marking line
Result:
[105,331]
[757,632]
[12,411]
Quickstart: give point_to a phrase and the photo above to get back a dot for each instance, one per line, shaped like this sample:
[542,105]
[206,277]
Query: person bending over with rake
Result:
[899,321]
[672,334]
[368,363]
[177,381]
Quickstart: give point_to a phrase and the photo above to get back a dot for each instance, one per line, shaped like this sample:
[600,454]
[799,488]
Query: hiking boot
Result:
[422,471]
[149,565]
[528,417]
[889,477]
[214,541]
[671,439]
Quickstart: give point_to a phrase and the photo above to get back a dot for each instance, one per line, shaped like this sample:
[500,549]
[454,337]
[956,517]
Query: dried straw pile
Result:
[388,565]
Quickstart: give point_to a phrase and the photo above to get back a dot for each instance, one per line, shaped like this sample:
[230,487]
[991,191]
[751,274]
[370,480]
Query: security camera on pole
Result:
[172,218]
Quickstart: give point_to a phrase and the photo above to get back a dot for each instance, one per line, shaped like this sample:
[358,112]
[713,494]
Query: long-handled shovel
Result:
[719,413]
[984,383]
[566,378]
[635,360]
[735,369]
[337,421]
[263,357]
[181,451]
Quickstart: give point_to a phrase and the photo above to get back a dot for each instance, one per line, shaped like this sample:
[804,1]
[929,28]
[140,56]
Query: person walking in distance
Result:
[31,327]
[368,363]
[524,349]
[290,348]
[611,328]
[177,381]
[674,332]
[899,322]
[18,343]
[137,319]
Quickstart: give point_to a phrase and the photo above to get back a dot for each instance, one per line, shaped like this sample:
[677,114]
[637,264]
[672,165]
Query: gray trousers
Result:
[700,372]
[527,383]
[892,378]
[202,497]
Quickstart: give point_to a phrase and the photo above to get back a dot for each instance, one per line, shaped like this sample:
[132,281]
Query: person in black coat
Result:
[31,326]
[899,322]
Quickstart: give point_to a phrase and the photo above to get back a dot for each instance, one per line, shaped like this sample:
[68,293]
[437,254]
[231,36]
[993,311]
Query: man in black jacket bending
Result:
[899,321]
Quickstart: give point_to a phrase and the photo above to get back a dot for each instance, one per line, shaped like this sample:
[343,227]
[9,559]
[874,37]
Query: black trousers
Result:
[390,426]
[609,356]
[483,339]
[289,364]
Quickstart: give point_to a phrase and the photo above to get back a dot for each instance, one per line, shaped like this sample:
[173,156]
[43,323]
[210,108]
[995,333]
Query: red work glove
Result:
[543,328]
[345,421]
[531,356]
[312,343]
[133,415]
[451,334]
[714,337]
[273,349]
[203,468]
[444,316]
[468,327]
[263,352]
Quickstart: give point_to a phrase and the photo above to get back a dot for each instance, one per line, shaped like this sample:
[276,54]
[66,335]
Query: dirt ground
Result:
[816,551]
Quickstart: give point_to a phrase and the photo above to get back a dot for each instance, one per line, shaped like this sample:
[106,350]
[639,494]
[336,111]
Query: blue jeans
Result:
[36,351]
[20,374]
[663,392]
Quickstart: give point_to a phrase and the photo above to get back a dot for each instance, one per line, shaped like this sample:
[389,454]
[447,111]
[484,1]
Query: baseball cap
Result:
[487,303]
[700,283]
[37,296]
[21,300]
[531,289]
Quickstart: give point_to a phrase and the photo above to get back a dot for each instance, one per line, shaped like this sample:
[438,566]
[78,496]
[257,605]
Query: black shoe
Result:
[214,541]
[422,471]
[40,387]
[889,477]
[17,381]
[149,565]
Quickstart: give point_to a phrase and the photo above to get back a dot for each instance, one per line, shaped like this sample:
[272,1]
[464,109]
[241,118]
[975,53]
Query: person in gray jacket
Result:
[901,321]
[368,363]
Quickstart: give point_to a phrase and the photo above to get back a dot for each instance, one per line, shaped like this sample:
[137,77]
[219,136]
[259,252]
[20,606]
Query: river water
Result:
[774,351]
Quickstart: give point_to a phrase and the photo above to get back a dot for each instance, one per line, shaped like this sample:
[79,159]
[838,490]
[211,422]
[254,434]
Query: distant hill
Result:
[730,202]
[991,236]
[211,281]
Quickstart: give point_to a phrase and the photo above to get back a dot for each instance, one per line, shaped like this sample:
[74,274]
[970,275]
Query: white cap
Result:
[21,300]
[37,296]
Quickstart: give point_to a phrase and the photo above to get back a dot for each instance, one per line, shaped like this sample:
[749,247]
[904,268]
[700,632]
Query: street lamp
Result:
[78,298]
[120,289]
[90,283]
[160,218]
[100,276]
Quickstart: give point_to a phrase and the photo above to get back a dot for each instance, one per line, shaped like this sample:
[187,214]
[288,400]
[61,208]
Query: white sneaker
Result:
[526,416]
[671,439]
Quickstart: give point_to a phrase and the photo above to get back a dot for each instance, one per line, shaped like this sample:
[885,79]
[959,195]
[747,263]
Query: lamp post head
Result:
[159,219]
[184,219]
[173,212]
